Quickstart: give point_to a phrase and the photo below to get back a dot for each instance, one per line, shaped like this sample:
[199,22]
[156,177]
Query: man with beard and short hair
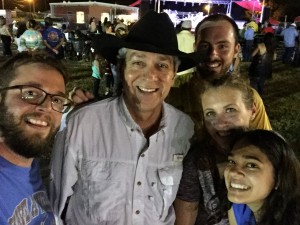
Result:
[32,100]
[217,38]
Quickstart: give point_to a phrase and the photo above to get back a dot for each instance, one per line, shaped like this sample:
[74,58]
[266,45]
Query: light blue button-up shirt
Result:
[249,34]
[289,37]
[112,173]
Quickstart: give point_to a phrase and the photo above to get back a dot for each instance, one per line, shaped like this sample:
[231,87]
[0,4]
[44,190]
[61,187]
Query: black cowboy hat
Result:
[154,32]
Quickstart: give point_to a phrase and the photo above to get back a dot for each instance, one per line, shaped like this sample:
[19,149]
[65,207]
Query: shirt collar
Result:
[127,118]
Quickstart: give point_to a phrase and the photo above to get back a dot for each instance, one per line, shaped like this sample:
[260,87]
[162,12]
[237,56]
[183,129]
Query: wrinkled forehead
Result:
[131,53]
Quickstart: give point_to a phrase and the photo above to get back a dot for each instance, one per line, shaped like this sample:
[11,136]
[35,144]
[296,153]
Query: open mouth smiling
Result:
[212,65]
[239,186]
[36,122]
[147,90]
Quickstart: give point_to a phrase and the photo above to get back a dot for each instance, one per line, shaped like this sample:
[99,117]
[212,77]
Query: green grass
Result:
[282,101]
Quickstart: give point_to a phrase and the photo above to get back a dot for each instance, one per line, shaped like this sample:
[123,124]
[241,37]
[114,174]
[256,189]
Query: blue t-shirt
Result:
[23,199]
[52,36]
[243,214]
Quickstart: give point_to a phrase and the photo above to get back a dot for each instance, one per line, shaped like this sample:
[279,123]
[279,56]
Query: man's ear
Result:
[253,111]
[237,50]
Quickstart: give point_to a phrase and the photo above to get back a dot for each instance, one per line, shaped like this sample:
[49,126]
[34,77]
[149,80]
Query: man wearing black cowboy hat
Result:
[122,157]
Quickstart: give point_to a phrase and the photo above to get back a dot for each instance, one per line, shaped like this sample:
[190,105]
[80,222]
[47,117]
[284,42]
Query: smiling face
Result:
[218,39]
[147,80]
[224,110]
[249,175]
[34,125]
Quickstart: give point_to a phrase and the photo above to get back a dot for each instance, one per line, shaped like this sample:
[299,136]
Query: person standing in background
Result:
[186,41]
[261,65]
[53,39]
[96,76]
[21,29]
[268,29]
[31,39]
[6,37]
[289,38]
[92,25]
[249,41]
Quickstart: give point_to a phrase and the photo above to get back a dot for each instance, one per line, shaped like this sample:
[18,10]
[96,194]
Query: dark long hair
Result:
[269,42]
[280,207]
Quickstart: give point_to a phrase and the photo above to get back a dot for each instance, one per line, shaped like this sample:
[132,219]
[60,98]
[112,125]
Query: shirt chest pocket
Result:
[168,183]
[104,186]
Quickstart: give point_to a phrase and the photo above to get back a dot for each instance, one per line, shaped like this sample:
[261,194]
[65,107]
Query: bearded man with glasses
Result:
[32,100]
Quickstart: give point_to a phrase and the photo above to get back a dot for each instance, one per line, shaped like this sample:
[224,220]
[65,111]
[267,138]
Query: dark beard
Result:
[16,139]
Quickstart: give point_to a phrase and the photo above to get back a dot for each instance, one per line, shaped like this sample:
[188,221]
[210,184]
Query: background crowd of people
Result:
[197,151]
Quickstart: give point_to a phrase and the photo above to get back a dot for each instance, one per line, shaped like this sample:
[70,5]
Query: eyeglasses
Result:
[37,96]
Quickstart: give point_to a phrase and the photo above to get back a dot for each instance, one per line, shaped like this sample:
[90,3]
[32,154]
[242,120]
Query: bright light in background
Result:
[207,8]
[80,17]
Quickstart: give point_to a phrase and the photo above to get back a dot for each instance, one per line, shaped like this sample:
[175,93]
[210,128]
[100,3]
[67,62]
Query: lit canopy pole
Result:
[207,8]
[229,7]
[262,11]
[29,2]
[2,4]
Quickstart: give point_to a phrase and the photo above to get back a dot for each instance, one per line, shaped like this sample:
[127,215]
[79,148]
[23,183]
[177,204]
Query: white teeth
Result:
[239,186]
[38,122]
[212,65]
[147,89]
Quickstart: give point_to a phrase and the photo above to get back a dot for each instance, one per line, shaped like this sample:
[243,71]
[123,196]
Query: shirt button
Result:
[131,129]
[137,212]
[143,155]
[139,183]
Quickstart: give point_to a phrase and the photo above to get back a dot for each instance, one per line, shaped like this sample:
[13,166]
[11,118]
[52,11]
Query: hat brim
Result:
[108,46]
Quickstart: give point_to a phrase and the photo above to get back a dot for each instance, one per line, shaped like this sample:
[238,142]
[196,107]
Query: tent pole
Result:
[229,8]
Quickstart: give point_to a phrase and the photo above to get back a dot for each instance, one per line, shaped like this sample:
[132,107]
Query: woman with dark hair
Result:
[263,173]
[261,66]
